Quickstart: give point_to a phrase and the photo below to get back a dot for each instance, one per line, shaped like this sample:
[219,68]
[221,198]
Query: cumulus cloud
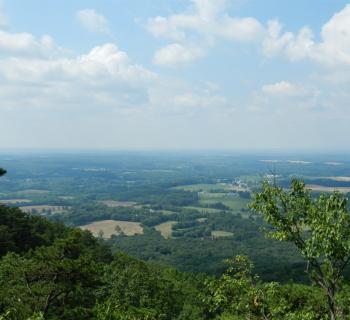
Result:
[282,88]
[35,73]
[93,21]
[102,77]
[205,20]
[333,48]
[26,44]
[177,54]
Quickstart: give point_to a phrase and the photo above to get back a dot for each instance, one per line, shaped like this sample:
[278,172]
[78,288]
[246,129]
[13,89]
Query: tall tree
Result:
[319,228]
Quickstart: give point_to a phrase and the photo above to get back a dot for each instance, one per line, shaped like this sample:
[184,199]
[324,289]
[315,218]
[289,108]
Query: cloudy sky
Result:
[175,74]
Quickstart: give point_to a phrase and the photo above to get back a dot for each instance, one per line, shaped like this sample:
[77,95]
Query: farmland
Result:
[220,234]
[186,210]
[14,201]
[44,208]
[108,228]
[165,228]
[115,204]
[320,188]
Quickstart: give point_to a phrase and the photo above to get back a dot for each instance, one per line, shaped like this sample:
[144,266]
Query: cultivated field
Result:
[107,228]
[298,162]
[204,210]
[221,234]
[205,187]
[115,204]
[332,163]
[340,179]
[165,228]
[44,208]
[67,197]
[234,203]
[33,191]
[15,201]
[316,187]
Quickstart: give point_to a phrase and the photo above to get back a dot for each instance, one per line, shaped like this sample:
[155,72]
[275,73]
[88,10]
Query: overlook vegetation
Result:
[202,252]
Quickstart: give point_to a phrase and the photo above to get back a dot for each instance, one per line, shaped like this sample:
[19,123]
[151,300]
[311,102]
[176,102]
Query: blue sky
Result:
[175,74]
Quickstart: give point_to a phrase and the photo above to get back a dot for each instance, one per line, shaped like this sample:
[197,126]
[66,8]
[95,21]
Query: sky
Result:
[175,74]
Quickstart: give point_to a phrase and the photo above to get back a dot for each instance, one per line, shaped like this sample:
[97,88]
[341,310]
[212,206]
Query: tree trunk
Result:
[331,303]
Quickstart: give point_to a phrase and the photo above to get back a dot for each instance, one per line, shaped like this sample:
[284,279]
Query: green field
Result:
[205,187]
[107,228]
[165,228]
[202,209]
[221,234]
[235,204]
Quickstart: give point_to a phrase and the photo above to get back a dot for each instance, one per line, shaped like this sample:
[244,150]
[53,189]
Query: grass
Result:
[15,201]
[67,197]
[235,204]
[339,179]
[221,234]
[213,188]
[204,210]
[165,228]
[33,191]
[44,208]
[315,187]
[107,228]
[204,187]
[115,204]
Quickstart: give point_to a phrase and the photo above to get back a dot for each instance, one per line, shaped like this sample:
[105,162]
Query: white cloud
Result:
[282,88]
[26,44]
[93,21]
[206,21]
[176,54]
[35,73]
[332,50]
[102,78]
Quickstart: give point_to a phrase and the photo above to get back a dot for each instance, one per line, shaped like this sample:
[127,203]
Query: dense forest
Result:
[51,271]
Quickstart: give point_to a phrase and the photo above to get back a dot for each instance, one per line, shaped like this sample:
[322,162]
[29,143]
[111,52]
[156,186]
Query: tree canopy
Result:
[319,228]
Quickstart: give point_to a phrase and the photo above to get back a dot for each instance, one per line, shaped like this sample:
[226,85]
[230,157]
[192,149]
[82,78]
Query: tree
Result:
[318,227]
[2,172]
[58,281]
[239,294]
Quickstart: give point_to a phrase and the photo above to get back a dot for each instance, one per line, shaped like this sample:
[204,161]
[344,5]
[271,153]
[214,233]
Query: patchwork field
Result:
[205,187]
[67,197]
[33,191]
[333,163]
[44,208]
[315,187]
[165,228]
[234,203]
[115,204]
[204,210]
[107,228]
[340,179]
[14,201]
[221,234]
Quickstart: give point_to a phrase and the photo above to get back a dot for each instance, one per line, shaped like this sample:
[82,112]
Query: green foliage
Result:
[58,280]
[2,172]
[20,232]
[239,294]
[141,291]
[319,228]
